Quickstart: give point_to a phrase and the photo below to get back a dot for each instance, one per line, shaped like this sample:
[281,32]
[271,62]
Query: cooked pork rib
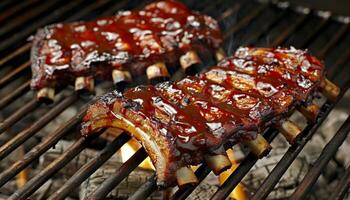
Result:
[180,123]
[129,42]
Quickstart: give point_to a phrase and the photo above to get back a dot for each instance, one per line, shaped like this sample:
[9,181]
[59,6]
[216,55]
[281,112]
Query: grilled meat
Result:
[180,123]
[129,41]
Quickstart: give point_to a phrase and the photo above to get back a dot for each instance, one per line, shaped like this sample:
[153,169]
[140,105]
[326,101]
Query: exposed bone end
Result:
[46,95]
[157,72]
[84,84]
[189,60]
[121,77]
[218,163]
[185,176]
[289,130]
[330,90]
[259,146]
[310,112]
[220,54]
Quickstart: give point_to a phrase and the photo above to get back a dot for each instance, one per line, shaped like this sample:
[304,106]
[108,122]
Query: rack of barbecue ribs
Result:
[187,122]
[129,44]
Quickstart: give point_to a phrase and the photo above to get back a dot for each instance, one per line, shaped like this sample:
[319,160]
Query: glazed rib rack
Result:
[242,23]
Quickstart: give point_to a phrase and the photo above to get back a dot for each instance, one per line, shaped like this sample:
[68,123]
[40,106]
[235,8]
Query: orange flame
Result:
[238,193]
[129,148]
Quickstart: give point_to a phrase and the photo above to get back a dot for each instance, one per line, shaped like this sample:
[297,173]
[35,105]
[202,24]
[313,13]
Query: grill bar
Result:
[25,48]
[122,172]
[41,148]
[21,137]
[283,36]
[6,79]
[146,189]
[271,23]
[293,151]
[26,16]
[50,142]
[15,53]
[85,171]
[334,40]
[27,108]
[335,70]
[15,94]
[220,195]
[245,20]
[316,30]
[106,188]
[34,183]
[119,175]
[19,36]
[15,9]
[326,155]
[343,186]
[31,105]
[251,160]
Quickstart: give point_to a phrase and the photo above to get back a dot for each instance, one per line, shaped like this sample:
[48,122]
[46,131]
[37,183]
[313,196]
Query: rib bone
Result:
[46,95]
[190,59]
[330,90]
[84,84]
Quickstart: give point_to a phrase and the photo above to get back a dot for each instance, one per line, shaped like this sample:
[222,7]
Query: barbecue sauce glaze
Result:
[131,40]
[231,102]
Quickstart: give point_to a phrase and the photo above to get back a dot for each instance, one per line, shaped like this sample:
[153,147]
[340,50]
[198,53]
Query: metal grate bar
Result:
[250,161]
[32,104]
[283,36]
[6,79]
[136,159]
[327,153]
[26,47]
[269,24]
[245,21]
[85,171]
[41,148]
[19,115]
[15,94]
[18,36]
[293,151]
[203,171]
[146,189]
[28,108]
[27,16]
[150,185]
[309,38]
[335,70]
[343,186]
[334,40]
[221,195]
[21,137]
[16,8]
[272,180]
[15,53]
[119,175]
[37,181]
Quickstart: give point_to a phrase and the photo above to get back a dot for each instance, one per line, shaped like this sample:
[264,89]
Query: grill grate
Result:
[243,23]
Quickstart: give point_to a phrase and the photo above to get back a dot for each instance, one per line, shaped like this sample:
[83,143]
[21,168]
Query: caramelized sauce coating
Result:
[233,101]
[131,40]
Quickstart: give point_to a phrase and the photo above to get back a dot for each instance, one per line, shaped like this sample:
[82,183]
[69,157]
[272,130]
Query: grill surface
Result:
[243,23]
